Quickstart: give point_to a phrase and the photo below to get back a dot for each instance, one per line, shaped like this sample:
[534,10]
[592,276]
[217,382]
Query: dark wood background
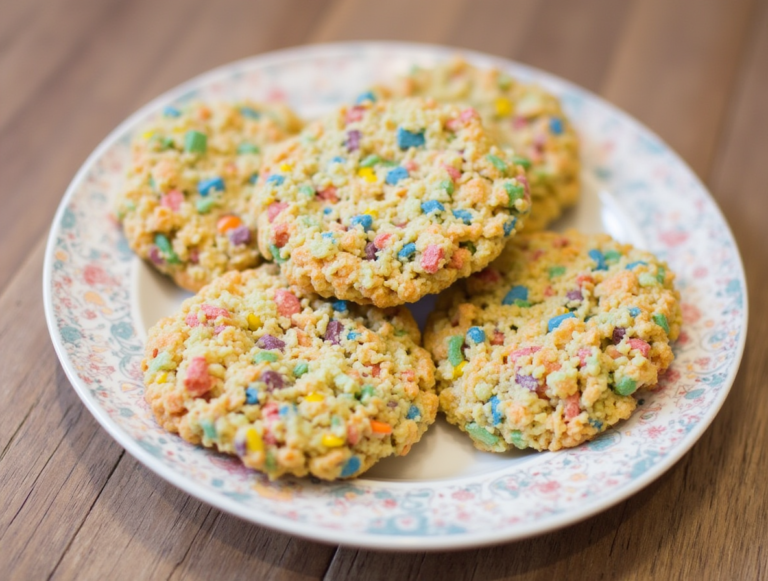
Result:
[73,505]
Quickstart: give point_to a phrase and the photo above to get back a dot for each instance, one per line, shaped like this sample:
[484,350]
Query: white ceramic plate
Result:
[100,299]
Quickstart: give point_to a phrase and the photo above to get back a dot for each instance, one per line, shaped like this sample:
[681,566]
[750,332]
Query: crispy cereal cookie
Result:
[184,204]
[522,116]
[290,382]
[385,202]
[544,348]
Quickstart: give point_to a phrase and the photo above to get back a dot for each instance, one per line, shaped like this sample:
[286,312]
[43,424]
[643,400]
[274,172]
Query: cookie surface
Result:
[384,202]
[290,382]
[545,347]
[522,116]
[184,203]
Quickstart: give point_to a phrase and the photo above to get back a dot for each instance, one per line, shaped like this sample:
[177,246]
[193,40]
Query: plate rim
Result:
[370,540]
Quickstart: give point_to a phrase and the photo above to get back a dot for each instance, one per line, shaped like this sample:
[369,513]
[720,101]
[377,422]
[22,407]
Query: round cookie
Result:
[544,348]
[185,200]
[522,116]
[385,202]
[290,382]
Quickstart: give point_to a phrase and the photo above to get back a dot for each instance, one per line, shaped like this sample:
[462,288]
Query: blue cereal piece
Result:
[599,259]
[254,178]
[634,311]
[556,125]
[476,335]
[367,96]
[432,206]
[249,112]
[364,220]
[463,215]
[170,111]
[509,225]
[213,184]
[352,335]
[407,251]
[635,264]
[396,174]
[340,306]
[276,179]
[337,159]
[554,322]
[518,292]
[413,413]
[251,395]
[407,139]
[351,467]
[496,415]
[328,236]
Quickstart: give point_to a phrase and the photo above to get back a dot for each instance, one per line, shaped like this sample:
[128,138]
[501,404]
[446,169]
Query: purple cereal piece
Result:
[154,255]
[240,235]
[529,382]
[618,335]
[270,342]
[332,331]
[574,295]
[353,140]
[219,328]
[370,251]
[272,379]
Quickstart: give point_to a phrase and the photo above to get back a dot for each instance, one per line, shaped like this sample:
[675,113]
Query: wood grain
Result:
[74,505]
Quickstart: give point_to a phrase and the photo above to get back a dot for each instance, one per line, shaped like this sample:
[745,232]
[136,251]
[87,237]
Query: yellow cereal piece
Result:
[332,441]
[314,397]
[286,167]
[367,174]
[162,378]
[372,212]
[458,371]
[503,107]
[253,441]
[147,134]
[253,322]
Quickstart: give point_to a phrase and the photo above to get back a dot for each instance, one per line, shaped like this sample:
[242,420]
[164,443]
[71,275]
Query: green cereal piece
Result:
[446,185]
[275,252]
[300,369]
[523,304]
[517,160]
[469,246]
[152,183]
[647,279]
[269,462]
[367,391]
[504,82]
[611,255]
[163,142]
[481,435]
[247,148]
[661,320]
[517,439]
[661,274]
[163,362]
[204,205]
[370,161]
[455,356]
[556,271]
[307,190]
[195,142]
[400,332]
[497,162]
[625,386]
[262,356]
[209,428]
[164,245]
[515,192]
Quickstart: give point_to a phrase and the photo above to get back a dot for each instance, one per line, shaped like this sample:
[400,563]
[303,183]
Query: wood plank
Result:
[675,67]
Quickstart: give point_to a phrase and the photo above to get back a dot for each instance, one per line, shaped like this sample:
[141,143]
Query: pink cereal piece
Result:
[516,354]
[274,209]
[353,436]
[192,320]
[172,200]
[280,235]
[328,194]
[641,346]
[287,303]
[548,292]
[197,381]
[488,275]
[582,278]
[498,338]
[411,165]
[453,124]
[518,122]
[468,114]
[408,374]
[430,260]
[212,313]
[536,254]
[194,256]
[381,240]
[375,369]
[572,408]
[452,171]
[218,329]
[583,353]
[271,411]
[355,114]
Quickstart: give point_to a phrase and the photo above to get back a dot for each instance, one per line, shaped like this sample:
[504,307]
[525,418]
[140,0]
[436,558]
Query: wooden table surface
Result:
[73,504]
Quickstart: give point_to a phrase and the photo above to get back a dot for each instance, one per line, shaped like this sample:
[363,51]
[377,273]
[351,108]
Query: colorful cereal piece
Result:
[431,206]
[476,335]
[396,175]
[516,293]
[197,381]
[465,216]
[407,251]
[430,259]
[214,184]
[407,139]
[195,142]
[363,220]
[555,322]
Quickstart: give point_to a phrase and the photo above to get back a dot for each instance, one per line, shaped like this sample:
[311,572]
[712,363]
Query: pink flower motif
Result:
[691,313]
[463,495]
[655,431]
[89,314]
[673,237]
[94,274]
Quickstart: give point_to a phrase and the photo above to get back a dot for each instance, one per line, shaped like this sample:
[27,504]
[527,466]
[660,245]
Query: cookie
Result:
[290,382]
[385,202]
[546,347]
[522,116]
[185,199]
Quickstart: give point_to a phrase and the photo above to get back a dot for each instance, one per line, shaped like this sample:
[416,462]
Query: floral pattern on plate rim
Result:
[88,306]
